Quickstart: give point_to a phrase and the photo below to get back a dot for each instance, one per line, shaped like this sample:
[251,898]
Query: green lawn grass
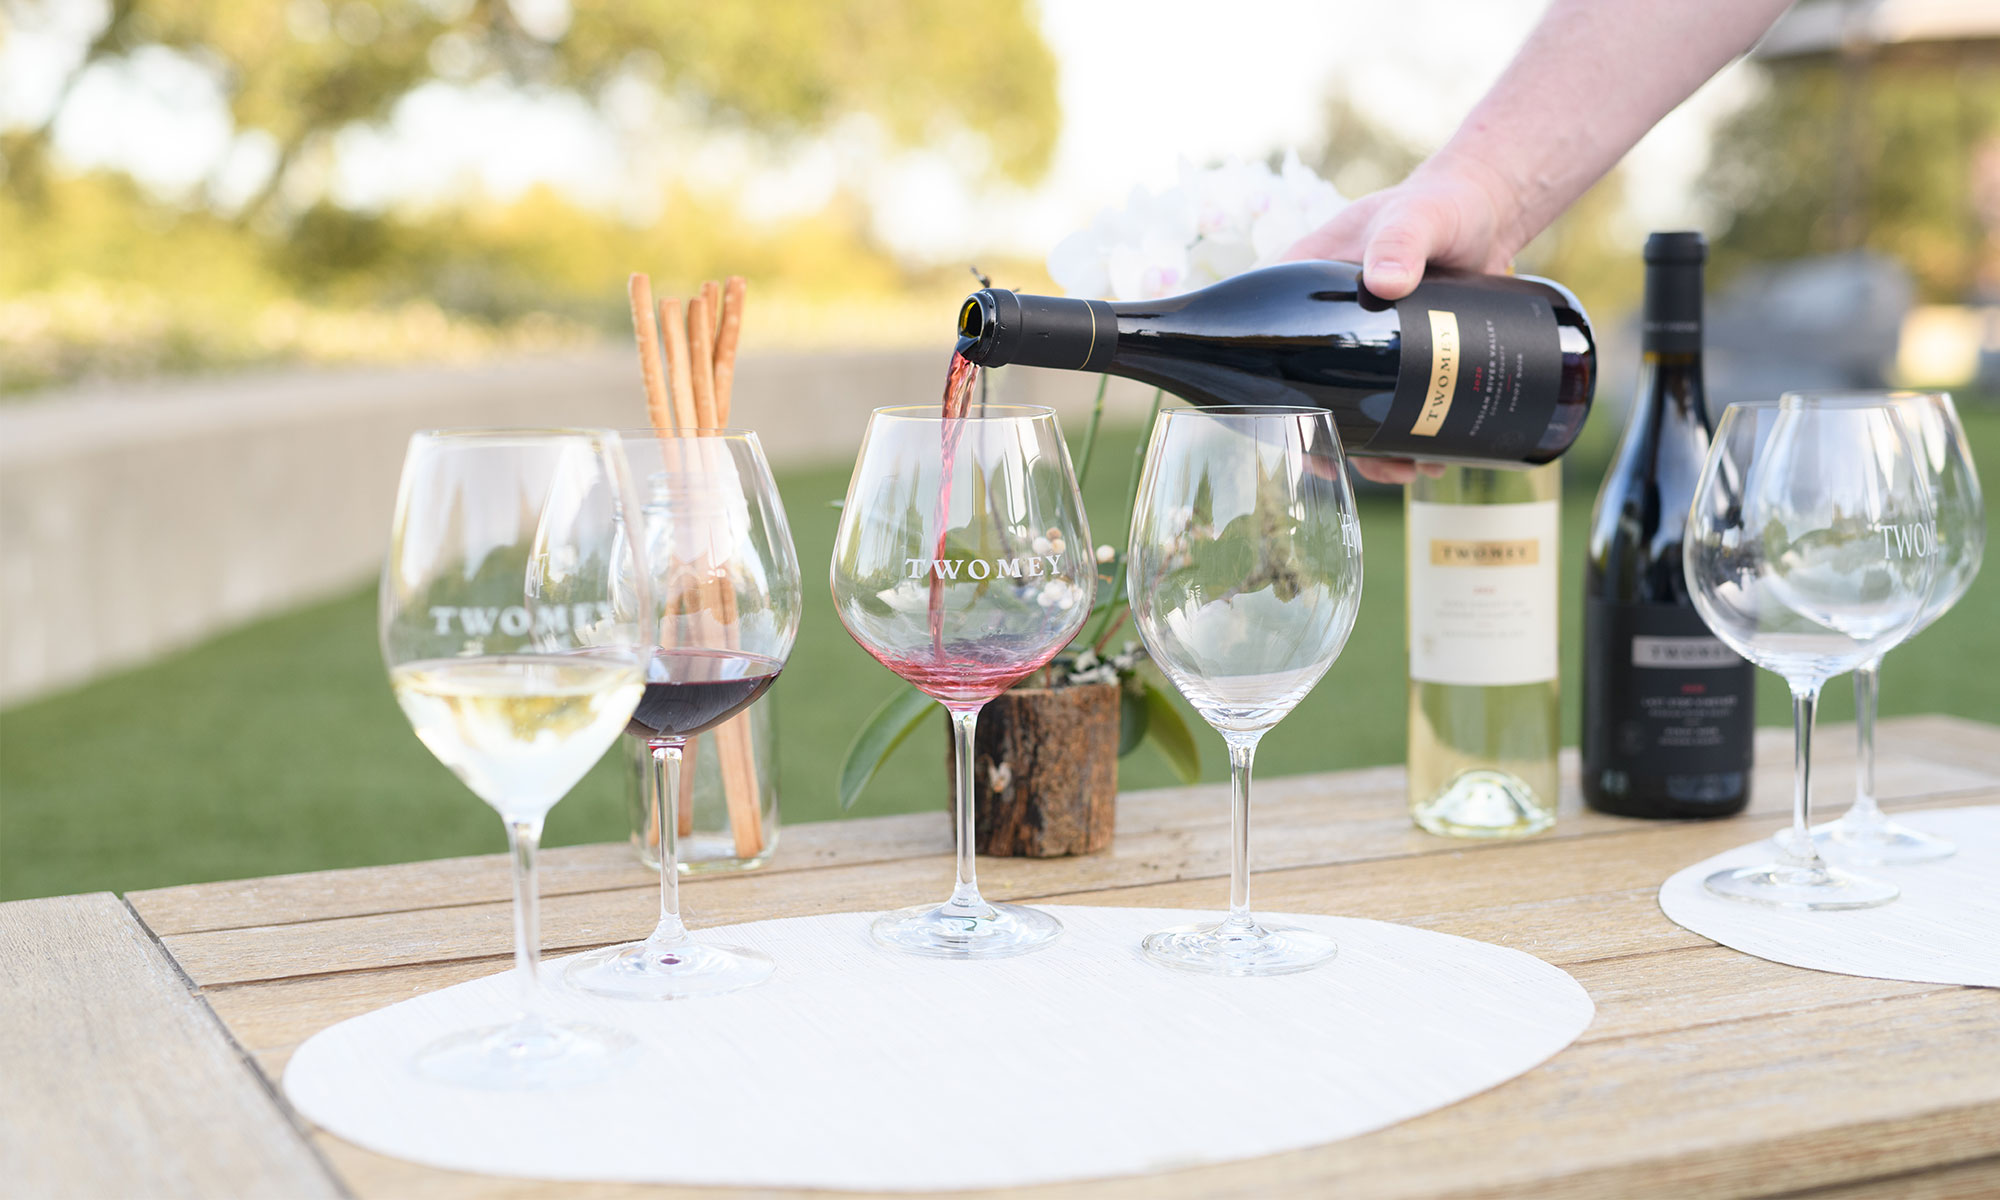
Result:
[277,747]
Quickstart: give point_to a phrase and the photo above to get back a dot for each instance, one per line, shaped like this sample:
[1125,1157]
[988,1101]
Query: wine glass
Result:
[512,624]
[1864,834]
[963,564]
[1245,576]
[718,553]
[1806,553]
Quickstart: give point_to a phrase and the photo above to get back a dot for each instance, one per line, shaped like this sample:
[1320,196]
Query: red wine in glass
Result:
[692,691]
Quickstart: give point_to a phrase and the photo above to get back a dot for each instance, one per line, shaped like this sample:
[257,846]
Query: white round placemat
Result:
[1944,928]
[857,1067]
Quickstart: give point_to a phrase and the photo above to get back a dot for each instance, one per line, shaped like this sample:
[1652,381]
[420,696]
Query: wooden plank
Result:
[565,870]
[1978,1180]
[1368,805]
[120,1082]
[1148,871]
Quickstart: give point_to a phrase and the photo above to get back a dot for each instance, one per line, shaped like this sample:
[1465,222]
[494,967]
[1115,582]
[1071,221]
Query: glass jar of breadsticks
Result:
[727,812]
[727,815]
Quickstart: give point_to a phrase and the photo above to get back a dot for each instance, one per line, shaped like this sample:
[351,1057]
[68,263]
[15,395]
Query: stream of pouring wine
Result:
[958,382]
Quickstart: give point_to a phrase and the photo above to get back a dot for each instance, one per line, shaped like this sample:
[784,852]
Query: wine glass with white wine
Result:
[514,622]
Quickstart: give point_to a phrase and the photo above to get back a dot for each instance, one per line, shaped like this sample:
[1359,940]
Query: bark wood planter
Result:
[1045,762]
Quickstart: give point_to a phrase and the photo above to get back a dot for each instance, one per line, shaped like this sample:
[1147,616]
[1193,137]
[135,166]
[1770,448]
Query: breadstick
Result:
[658,408]
[726,337]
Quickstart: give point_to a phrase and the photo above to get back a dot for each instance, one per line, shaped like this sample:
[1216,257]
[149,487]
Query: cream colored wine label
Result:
[1483,585]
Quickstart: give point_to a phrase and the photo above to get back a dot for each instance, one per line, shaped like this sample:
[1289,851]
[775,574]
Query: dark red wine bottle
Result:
[1669,712]
[1487,369]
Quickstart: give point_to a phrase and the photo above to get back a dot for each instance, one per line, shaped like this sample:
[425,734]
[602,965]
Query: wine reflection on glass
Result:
[514,626]
[1808,553]
[1244,578]
[963,564]
[1865,835]
[717,552]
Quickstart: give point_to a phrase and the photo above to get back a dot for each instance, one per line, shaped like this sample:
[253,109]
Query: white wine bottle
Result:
[1483,571]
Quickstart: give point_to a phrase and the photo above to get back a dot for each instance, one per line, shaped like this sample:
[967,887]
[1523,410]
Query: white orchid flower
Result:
[1214,223]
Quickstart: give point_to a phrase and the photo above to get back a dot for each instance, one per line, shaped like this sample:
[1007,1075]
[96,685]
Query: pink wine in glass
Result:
[970,672]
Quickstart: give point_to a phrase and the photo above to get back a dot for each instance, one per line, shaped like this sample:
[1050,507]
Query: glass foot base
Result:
[952,931]
[1484,804]
[673,971]
[1812,887]
[529,1055]
[1248,949]
[1880,841]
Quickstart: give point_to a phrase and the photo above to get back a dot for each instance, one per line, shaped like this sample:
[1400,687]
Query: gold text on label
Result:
[1514,552]
[1444,374]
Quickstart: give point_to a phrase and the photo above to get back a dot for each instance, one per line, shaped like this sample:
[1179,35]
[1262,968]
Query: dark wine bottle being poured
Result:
[1487,369]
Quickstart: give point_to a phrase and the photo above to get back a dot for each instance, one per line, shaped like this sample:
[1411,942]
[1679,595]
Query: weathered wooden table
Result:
[142,1039]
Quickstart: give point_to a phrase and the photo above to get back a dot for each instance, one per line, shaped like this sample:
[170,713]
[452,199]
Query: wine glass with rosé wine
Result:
[963,564]
[516,626]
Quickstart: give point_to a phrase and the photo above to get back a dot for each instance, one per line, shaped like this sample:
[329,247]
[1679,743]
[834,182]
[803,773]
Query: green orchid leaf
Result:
[884,730]
[1132,715]
[1170,735]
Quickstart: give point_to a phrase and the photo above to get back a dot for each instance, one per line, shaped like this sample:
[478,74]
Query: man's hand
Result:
[1455,215]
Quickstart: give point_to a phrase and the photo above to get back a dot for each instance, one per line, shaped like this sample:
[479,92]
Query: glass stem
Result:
[1242,751]
[523,839]
[666,814]
[1799,850]
[965,889]
[1867,681]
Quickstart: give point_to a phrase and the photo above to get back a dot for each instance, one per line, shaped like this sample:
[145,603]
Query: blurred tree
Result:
[300,71]
[1356,153]
[1923,126]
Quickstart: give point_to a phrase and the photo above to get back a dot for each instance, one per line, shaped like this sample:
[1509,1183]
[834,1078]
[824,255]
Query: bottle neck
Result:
[1671,324]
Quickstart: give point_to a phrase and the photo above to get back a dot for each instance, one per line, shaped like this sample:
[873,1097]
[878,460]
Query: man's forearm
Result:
[1591,79]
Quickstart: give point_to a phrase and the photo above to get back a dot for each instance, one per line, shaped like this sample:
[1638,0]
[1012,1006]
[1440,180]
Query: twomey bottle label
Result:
[1676,700]
[1479,371]
[1483,585]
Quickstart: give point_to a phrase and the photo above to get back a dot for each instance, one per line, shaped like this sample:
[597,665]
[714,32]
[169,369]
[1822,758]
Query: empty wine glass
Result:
[963,563]
[1244,577]
[1807,552]
[718,553]
[512,623]
[1864,834]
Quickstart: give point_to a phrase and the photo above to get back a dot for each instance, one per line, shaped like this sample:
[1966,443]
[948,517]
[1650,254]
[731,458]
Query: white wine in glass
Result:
[514,620]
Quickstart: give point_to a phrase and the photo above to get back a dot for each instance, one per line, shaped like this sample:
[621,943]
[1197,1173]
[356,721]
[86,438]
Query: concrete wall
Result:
[138,518]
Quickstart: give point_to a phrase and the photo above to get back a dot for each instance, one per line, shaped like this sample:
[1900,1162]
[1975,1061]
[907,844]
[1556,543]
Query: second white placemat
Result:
[860,1068]
[1944,928]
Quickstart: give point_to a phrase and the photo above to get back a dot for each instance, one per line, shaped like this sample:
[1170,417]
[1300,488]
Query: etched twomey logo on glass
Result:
[1026,567]
[1912,540]
[518,621]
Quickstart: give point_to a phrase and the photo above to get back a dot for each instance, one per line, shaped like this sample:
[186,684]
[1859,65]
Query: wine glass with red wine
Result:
[718,553]
[963,564]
